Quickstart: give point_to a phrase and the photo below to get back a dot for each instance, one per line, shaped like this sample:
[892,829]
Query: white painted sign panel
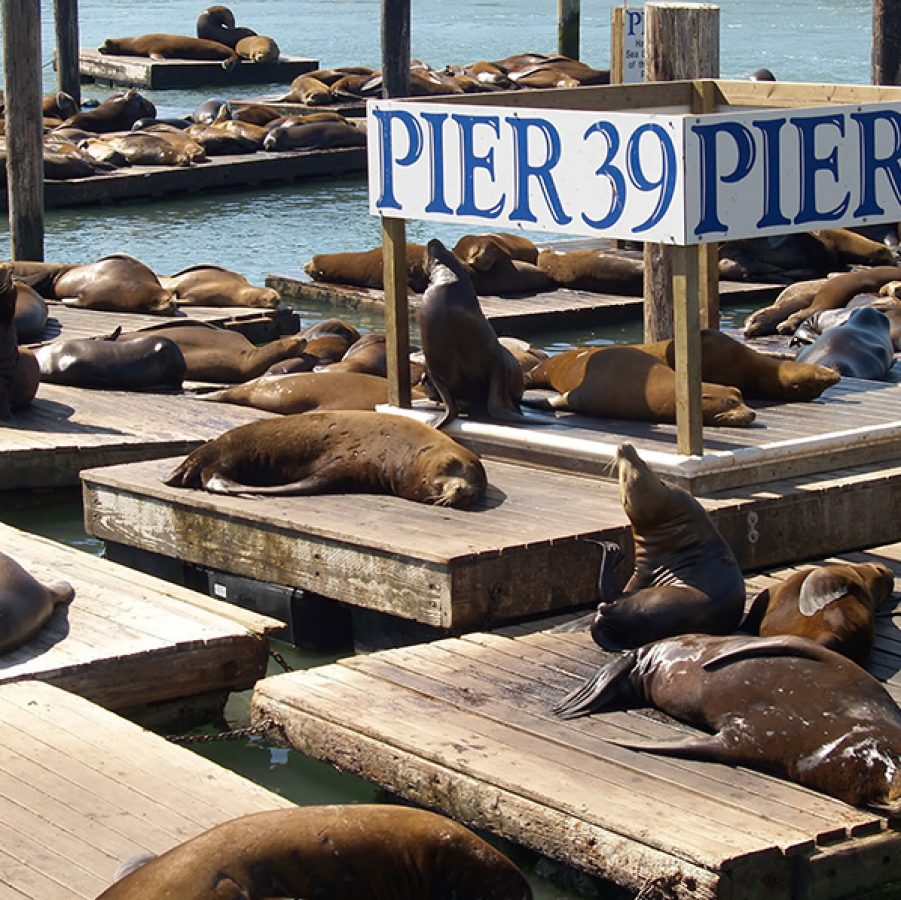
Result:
[633,44]
[676,179]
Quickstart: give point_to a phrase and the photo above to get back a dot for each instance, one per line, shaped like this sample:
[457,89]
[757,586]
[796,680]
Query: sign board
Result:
[668,178]
[633,44]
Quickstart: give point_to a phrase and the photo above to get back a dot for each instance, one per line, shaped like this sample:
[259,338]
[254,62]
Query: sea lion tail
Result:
[188,472]
[603,690]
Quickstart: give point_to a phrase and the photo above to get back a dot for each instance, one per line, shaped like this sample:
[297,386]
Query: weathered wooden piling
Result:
[886,54]
[68,78]
[568,16]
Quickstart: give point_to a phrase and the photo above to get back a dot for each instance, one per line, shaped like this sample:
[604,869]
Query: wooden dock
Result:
[500,760]
[226,172]
[182,74]
[348,108]
[562,308]
[85,790]
[123,629]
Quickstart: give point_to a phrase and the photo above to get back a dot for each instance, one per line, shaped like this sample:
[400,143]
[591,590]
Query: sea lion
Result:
[217,23]
[347,450]
[860,347]
[621,382]
[685,577]
[25,603]
[509,277]
[209,285]
[812,327]
[144,148]
[340,852]
[466,364]
[64,165]
[255,113]
[39,275]
[305,391]
[851,248]
[258,49]
[118,282]
[792,298]
[219,354]
[31,313]
[525,354]
[213,109]
[151,362]
[833,605]
[58,105]
[327,342]
[314,136]
[331,327]
[309,90]
[188,150]
[758,376]
[366,356]
[19,372]
[483,251]
[594,270]
[116,113]
[779,704]
[217,141]
[246,130]
[170,46]
[364,268]
[838,290]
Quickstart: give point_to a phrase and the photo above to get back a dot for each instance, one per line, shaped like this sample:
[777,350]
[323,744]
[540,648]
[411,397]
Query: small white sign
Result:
[633,44]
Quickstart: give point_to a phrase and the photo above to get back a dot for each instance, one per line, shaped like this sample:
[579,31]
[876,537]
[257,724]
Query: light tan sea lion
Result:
[794,297]
[364,268]
[170,46]
[209,285]
[594,270]
[314,135]
[483,251]
[258,49]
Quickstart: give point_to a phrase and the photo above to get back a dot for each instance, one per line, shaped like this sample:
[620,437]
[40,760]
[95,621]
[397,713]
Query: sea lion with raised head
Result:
[623,382]
[170,46]
[217,23]
[834,605]
[860,347]
[116,113]
[340,852]
[327,452]
[209,285]
[466,364]
[25,603]
[779,704]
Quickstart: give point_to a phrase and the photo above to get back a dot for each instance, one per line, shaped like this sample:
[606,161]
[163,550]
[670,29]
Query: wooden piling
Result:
[886,53]
[568,15]
[68,79]
[24,139]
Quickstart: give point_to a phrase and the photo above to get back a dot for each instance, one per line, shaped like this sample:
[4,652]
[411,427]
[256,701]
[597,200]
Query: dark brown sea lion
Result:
[483,251]
[217,23]
[758,376]
[324,452]
[685,577]
[150,362]
[838,290]
[213,109]
[117,113]
[170,46]
[31,313]
[509,277]
[348,852]
[861,347]
[304,391]
[364,268]
[466,364]
[331,327]
[25,603]
[62,166]
[209,285]
[833,605]
[217,141]
[39,275]
[118,282]
[621,382]
[314,136]
[255,113]
[368,356]
[219,354]
[19,372]
[98,149]
[246,130]
[779,704]
[813,326]
[594,270]
[794,297]
[257,48]
[327,342]
[58,105]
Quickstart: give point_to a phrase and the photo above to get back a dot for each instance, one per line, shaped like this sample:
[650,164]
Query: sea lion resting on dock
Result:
[116,113]
[170,46]
[31,313]
[833,605]
[25,603]
[340,852]
[796,296]
[779,704]
[364,268]
[594,270]
[326,452]
[19,372]
[814,326]
[209,285]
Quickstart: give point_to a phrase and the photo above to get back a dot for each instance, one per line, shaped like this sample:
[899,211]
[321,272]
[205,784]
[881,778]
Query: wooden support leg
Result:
[686,316]
[397,325]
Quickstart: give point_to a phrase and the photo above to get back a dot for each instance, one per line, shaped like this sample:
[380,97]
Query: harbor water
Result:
[276,230]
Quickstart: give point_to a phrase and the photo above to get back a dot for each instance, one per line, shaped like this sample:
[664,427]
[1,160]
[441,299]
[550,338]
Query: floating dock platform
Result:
[348,108]
[232,171]
[124,630]
[465,726]
[85,790]
[183,74]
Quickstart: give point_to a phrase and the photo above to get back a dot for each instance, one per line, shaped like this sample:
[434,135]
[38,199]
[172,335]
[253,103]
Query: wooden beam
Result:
[68,78]
[24,139]
[686,288]
[704,102]
[886,52]
[568,14]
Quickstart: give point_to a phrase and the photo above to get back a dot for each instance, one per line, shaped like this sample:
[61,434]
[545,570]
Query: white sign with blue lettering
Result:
[676,179]
[633,44]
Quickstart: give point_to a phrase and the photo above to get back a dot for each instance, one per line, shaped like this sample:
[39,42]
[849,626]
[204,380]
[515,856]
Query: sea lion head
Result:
[641,492]
[452,476]
[442,266]
[109,46]
[728,406]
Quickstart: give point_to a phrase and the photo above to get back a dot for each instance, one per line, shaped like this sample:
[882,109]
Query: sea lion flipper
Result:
[756,648]
[451,411]
[705,747]
[600,690]
[819,589]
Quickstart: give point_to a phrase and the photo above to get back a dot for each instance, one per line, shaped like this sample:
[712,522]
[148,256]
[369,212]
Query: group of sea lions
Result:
[788,695]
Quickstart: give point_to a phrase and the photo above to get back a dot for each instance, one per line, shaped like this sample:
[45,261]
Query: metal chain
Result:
[281,660]
[233,734]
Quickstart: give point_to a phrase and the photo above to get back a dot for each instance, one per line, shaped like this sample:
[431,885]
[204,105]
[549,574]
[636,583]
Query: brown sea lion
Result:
[347,450]
[482,251]
[116,113]
[118,282]
[39,275]
[342,852]
[794,297]
[509,277]
[525,354]
[170,46]
[366,356]
[851,248]
[305,391]
[466,365]
[621,382]
[255,113]
[594,270]
[838,290]
[25,603]
[31,313]
[861,347]
[778,704]
[309,90]
[219,354]
[758,376]
[246,130]
[312,135]
[813,326]
[184,144]
[257,48]
[217,23]
[98,149]
[143,148]
[58,105]
[327,342]
[217,141]
[364,268]
[149,362]
[833,605]
[331,327]
[19,371]
[209,285]
[62,166]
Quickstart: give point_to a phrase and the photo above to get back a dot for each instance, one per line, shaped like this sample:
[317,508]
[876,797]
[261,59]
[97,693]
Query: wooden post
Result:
[686,288]
[24,139]
[68,79]
[568,13]
[886,53]
[396,83]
